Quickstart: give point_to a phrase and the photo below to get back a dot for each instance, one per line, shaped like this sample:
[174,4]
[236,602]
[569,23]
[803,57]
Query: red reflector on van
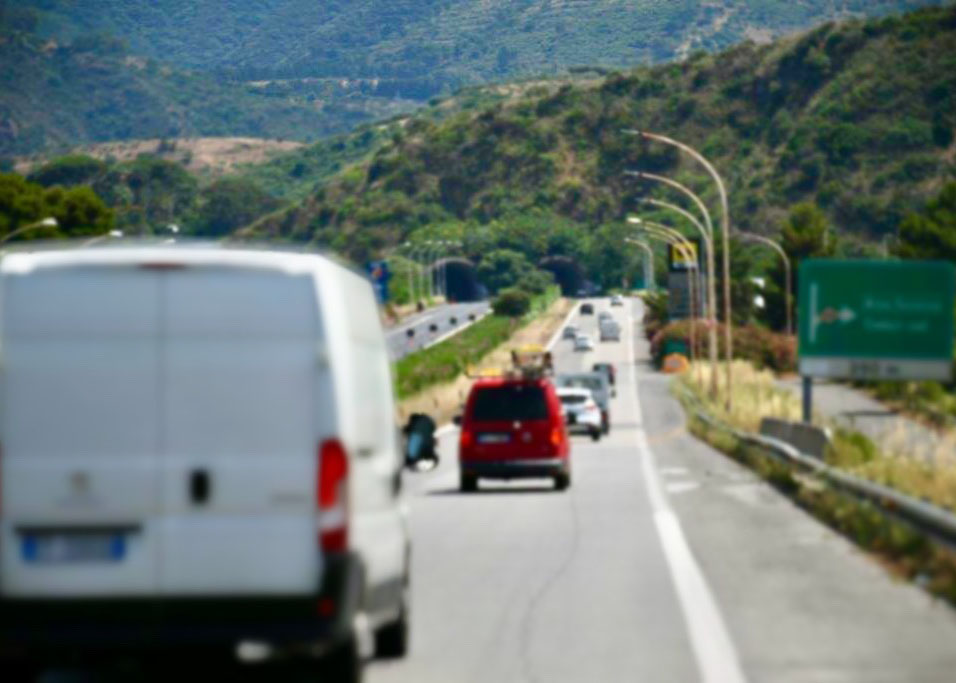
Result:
[331,496]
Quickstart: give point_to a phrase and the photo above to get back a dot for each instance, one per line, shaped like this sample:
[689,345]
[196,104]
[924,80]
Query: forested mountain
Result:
[430,44]
[857,117]
[57,95]
[76,72]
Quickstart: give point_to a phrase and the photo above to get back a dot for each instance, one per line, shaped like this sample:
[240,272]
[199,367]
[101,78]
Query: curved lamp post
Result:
[112,234]
[711,268]
[648,263]
[45,223]
[708,244]
[686,249]
[725,229]
[681,244]
[788,294]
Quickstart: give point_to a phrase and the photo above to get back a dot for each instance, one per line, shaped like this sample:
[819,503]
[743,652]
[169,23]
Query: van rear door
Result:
[80,391]
[510,421]
[238,414]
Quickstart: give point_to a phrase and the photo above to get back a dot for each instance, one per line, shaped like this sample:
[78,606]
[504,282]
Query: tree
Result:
[805,234]
[230,204]
[932,233]
[75,169]
[502,268]
[78,211]
[511,302]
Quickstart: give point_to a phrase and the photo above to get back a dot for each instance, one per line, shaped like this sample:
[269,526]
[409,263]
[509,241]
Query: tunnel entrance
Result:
[460,278]
[567,273]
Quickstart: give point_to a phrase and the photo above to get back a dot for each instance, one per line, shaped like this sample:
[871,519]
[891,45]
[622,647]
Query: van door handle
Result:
[200,486]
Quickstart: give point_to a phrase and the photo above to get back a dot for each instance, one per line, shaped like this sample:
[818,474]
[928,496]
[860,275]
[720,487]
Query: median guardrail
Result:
[926,518]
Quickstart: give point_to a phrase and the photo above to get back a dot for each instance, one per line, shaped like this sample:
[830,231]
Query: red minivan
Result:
[513,429]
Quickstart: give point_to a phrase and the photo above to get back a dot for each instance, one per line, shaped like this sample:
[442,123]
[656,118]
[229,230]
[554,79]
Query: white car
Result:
[583,342]
[200,443]
[617,300]
[581,413]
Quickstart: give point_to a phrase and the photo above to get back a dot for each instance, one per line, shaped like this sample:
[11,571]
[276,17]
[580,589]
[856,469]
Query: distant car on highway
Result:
[617,300]
[570,332]
[199,450]
[597,383]
[581,413]
[513,428]
[609,330]
[607,369]
[587,309]
[583,342]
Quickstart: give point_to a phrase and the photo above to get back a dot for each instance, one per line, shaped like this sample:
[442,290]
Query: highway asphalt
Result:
[430,326]
[665,561]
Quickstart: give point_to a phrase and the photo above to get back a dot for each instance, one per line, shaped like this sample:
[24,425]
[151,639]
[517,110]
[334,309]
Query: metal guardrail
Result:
[927,518]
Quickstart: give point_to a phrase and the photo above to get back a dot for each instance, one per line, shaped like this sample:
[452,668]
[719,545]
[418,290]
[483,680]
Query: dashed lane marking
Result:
[714,651]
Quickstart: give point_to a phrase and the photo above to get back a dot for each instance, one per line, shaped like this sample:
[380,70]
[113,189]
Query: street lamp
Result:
[45,223]
[788,294]
[711,284]
[112,234]
[674,234]
[725,229]
[648,263]
[680,243]
[708,244]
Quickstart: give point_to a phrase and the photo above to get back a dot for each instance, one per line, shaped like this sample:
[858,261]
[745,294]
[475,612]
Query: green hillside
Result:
[451,42]
[856,117]
[55,96]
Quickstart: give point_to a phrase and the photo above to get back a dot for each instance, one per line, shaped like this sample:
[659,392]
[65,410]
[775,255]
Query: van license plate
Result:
[494,438]
[76,547]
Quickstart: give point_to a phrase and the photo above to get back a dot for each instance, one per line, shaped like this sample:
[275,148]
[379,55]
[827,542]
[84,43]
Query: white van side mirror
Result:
[420,444]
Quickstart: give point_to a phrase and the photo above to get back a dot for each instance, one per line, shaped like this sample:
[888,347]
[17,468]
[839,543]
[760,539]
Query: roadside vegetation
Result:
[452,357]
[930,477]
[928,474]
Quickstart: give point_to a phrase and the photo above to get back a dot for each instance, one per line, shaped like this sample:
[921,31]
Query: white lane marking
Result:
[678,487]
[717,659]
[557,334]
[673,471]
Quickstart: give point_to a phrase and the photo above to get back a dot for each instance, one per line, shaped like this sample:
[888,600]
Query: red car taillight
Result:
[331,495]
[556,436]
[465,440]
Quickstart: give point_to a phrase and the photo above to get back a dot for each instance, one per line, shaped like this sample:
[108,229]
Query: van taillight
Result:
[331,495]
[556,436]
[465,439]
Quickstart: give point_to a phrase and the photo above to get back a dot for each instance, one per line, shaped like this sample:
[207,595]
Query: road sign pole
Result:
[807,399]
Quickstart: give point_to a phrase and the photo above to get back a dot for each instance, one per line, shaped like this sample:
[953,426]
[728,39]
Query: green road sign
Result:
[877,319]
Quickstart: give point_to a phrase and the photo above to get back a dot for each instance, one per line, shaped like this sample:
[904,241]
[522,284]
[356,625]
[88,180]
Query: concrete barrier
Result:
[804,437]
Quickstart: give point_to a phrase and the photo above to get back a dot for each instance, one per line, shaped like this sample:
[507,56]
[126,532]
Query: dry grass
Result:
[755,395]
[927,472]
[444,401]
[212,156]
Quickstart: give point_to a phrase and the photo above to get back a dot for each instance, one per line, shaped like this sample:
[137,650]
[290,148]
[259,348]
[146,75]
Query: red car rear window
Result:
[510,402]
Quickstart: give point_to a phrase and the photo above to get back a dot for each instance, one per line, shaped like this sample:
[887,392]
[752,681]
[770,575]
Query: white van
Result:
[198,447]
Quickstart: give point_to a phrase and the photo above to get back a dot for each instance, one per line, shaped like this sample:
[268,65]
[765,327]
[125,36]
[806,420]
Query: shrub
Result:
[511,302]
[760,346]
